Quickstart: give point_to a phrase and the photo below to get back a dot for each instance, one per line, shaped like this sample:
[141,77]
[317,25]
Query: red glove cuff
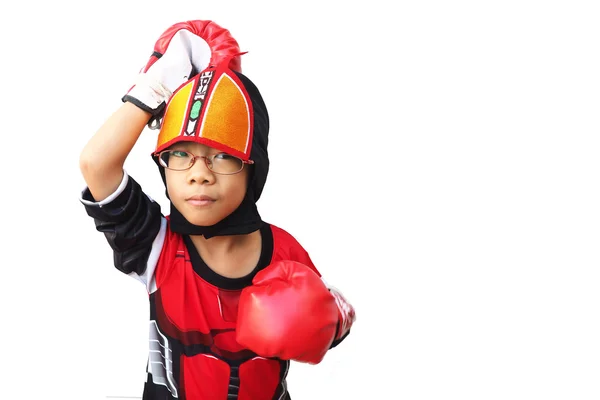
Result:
[346,313]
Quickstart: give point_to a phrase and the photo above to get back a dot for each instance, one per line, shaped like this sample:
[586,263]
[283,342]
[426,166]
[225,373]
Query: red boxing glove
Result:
[219,40]
[182,51]
[289,313]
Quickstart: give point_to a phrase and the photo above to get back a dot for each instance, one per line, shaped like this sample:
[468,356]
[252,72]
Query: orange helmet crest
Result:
[212,108]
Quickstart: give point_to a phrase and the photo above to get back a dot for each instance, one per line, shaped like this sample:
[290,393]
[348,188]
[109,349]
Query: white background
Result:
[438,160]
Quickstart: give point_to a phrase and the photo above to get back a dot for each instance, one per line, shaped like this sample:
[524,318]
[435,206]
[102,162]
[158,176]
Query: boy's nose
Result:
[199,172]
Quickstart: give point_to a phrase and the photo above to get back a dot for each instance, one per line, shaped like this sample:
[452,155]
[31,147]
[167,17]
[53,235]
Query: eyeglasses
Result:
[220,163]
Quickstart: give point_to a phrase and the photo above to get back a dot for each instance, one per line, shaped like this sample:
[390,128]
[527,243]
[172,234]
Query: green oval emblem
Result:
[196,109]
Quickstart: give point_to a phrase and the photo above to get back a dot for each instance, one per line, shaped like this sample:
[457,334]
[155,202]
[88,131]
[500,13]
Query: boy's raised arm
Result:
[180,52]
[101,160]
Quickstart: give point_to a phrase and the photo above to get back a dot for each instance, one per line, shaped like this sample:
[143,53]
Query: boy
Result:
[232,298]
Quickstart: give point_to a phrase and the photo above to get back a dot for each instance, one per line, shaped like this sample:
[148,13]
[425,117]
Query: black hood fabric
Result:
[245,219]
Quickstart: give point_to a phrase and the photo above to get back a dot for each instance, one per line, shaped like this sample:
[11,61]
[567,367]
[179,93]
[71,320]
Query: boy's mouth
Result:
[200,200]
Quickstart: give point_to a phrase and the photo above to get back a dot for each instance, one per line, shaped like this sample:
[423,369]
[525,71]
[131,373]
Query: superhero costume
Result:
[193,351]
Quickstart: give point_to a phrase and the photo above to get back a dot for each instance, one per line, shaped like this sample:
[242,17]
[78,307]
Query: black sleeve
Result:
[130,223]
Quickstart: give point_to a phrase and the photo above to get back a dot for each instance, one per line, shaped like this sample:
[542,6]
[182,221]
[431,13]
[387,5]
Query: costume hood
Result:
[223,109]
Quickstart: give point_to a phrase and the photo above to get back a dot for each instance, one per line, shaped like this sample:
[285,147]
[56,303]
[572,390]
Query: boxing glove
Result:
[289,313]
[182,51]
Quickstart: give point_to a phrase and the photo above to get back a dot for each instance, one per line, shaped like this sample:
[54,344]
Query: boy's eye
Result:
[179,153]
[223,156]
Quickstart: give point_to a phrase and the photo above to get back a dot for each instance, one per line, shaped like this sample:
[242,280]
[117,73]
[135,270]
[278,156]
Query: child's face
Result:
[224,193]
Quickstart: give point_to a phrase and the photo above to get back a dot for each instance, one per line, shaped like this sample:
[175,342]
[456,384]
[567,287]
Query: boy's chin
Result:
[204,217]
[203,220]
